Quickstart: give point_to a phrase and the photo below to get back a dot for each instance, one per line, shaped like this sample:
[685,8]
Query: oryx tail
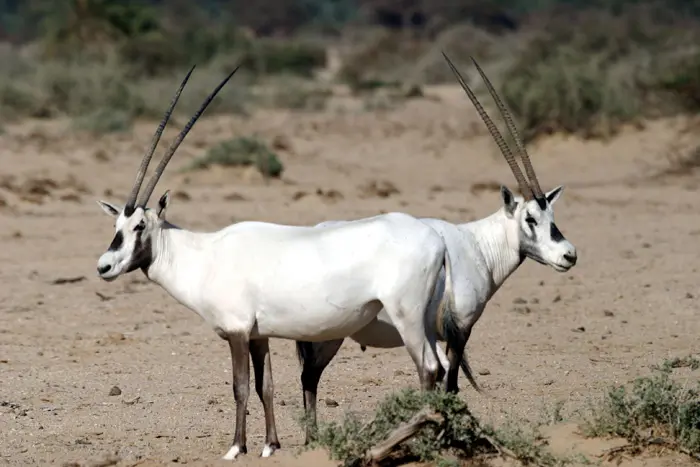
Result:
[447,321]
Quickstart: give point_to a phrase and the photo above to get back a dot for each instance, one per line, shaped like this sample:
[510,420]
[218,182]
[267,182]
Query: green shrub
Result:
[268,56]
[104,120]
[241,151]
[683,80]
[573,92]
[458,434]
[655,402]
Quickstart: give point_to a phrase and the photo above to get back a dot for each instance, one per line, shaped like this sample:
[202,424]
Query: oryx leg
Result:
[419,341]
[444,363]
[456,359]
[262,367]
[455,351]
[239,345]
[315,357]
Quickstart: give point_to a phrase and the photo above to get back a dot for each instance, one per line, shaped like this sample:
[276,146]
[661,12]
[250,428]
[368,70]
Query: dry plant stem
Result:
[651,441]
[502,450]
[401,434]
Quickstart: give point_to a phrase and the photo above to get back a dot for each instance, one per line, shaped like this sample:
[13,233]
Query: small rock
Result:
[283,403]
[549,382]
[281,143]
[115,391]
[182,196]
[579,329]
[608,313]
[116,336]
[235,197]
[331,403]
[519,301]
[689,295]
[557,299]
[484,372]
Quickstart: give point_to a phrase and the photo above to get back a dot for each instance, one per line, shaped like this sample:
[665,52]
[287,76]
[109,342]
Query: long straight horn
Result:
[173,147]
[497,136]
[529,170]
[154,143]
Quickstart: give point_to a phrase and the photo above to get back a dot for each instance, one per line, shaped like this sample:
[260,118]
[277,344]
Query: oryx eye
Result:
[530,221]
[140,226]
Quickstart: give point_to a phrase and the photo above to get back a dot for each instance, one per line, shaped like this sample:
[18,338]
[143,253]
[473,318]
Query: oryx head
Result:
[531,216]
[136,225]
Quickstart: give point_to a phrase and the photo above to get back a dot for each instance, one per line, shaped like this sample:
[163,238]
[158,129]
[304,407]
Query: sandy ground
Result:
[629,303]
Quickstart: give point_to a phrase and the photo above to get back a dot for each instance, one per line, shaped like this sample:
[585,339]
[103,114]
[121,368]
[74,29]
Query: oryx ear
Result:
[554,195]
[163,203]
[109,208]
[509,202]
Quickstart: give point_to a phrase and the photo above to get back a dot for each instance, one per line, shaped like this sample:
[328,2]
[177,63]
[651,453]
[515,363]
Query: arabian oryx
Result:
[483,254]
[254,280]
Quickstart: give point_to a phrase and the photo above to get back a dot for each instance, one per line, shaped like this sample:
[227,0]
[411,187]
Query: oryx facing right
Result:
[483,254]
[254,280]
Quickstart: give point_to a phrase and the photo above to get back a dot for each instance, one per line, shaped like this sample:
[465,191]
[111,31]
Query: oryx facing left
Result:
[253,280]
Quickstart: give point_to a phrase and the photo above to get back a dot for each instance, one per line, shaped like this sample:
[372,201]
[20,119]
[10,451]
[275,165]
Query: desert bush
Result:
[381,57]
[83,88]
[669,409]
[459,434]
[76,26]
[573,92]
[104,120]
[242,151]
[296,96]
[269,56]
[682,78]
[605,72]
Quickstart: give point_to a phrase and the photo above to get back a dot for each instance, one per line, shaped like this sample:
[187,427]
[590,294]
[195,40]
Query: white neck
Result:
[177,263]
[499,246]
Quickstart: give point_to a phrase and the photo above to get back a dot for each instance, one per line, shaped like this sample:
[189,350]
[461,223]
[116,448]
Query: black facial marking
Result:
[116,242]
[129,210]
[542,203]
[555,233]
[142,258]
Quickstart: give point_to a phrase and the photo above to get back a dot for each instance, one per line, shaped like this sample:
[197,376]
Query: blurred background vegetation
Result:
[575,66]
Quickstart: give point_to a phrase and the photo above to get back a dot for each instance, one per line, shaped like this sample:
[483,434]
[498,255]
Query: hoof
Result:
[269,449]
[234,452]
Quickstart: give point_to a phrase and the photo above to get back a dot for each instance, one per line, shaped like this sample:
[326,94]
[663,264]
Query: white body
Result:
[481,261]
[297,282]
[252,281]
[483,254]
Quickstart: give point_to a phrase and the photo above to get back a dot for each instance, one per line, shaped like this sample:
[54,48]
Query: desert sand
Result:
[547,338]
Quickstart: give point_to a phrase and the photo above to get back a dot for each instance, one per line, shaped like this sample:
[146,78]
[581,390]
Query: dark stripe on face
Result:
[142,257]
[116,242]
[555,233]
[542,203]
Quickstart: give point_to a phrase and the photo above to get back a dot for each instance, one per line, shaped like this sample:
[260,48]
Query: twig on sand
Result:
[401,434]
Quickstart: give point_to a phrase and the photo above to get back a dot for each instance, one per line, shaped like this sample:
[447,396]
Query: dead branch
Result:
[650,441]
[502,450]
[401,434]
